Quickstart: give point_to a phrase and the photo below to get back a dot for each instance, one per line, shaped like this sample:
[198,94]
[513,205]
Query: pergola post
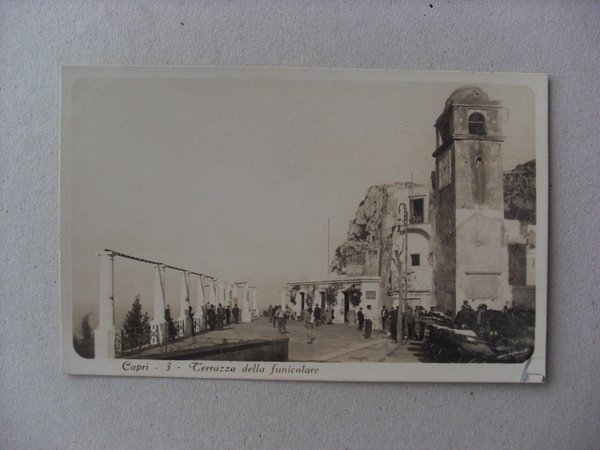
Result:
[234,295]
[243,296]
[104,335]
[184,320]
[158,326]
[212,295]
[199,315]
[226,294]
[253,302]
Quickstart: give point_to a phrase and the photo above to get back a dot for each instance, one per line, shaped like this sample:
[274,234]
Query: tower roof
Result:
[469,95]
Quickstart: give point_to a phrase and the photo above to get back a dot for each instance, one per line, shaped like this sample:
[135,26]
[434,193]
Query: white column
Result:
[234,295]
[298,305]
[227,295]
[224,293]
[212,291]
[219,292]
[199,315]
[245,306]
[339,310]
[159,324]
[254,302]
[104,335]
[184,320]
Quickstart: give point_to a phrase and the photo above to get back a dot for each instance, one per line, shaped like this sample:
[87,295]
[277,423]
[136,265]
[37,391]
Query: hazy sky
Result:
[236,178]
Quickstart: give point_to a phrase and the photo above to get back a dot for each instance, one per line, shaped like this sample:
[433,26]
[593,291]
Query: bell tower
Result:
[468,187]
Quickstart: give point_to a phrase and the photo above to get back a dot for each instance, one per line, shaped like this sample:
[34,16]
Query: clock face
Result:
[444,170]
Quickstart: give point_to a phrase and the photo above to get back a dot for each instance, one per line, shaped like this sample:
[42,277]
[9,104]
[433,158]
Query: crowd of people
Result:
[215,317]
[312,318]
[411,326]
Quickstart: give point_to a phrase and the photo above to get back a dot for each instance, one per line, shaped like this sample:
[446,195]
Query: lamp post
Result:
[402,268]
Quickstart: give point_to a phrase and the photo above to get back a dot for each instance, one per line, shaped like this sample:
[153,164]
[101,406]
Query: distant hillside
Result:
[519,193]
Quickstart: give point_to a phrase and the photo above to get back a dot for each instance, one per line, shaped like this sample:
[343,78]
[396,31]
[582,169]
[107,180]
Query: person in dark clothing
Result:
[482,326]
[410,323]
[192,319]
[369,317]
[236,314]
[220,317]
[420,313]
[384,315]
[170,325]
[212,318]
[361,319]
[317,314]
[274,313]
[228,315]
[394,324]
[206,308]
[464,318]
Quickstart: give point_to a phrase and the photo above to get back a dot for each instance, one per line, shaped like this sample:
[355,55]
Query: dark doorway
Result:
[346,305]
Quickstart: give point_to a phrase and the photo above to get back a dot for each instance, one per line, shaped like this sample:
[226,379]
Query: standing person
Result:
[236,314]
[228,315]
[269,312]
[274,316]
[384,315]
[329,315]
[309,323]
[360,316]
[464,318]
[279,317]
[368,322]
[393,318]
[317,315]
[422,324]
[170,325]
[206,308]
[286,317]
[481,320]
[192,319]
[220,317]
[410,323]
[212,317]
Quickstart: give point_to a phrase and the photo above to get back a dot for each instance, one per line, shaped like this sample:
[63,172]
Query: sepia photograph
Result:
[304,224]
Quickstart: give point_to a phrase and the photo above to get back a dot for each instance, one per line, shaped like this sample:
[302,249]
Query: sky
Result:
[236,178]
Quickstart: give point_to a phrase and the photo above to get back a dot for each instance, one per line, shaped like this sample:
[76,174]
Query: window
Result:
[416,211]
[477,124]
[415,259]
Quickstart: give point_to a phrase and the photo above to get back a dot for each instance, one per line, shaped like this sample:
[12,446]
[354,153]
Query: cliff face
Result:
[519,193]
[364,231]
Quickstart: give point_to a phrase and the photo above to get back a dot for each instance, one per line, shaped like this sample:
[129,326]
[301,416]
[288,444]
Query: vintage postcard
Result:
[304,224]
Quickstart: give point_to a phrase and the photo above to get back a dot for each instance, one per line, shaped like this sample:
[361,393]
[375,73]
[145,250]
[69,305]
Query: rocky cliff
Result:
[519,193]
[364,231]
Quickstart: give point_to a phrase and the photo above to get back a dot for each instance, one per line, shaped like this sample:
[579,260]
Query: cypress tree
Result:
[136,327]
[85,345]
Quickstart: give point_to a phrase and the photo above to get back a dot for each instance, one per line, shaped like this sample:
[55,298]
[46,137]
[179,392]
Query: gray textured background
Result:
[40,408]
